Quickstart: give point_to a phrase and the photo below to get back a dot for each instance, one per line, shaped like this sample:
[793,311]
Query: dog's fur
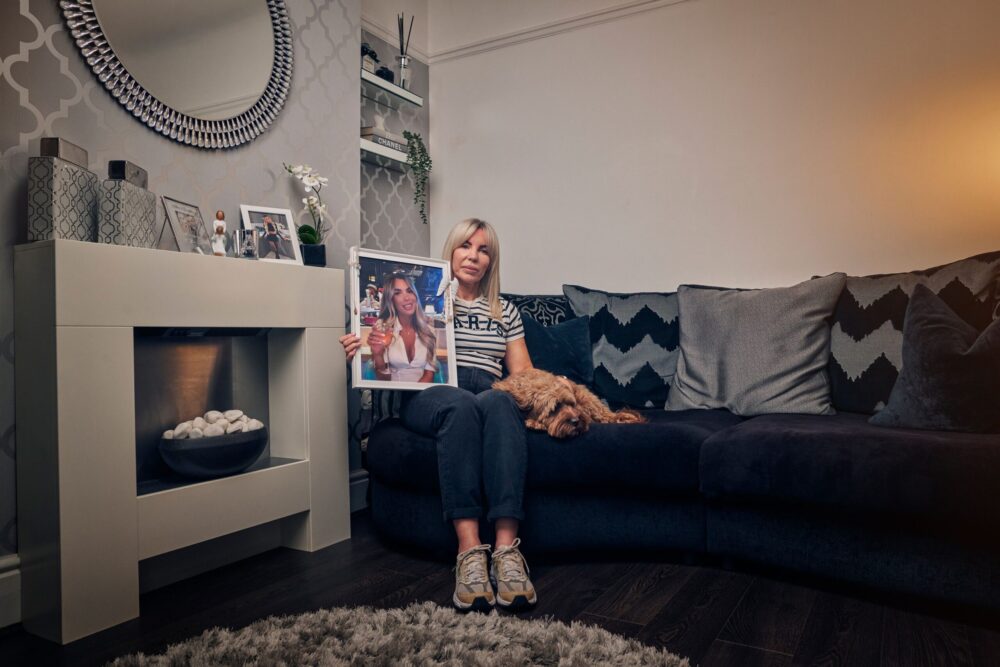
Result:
[559,407]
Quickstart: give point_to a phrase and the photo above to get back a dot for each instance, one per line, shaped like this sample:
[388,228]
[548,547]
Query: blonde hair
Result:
[423,327]
[489,286]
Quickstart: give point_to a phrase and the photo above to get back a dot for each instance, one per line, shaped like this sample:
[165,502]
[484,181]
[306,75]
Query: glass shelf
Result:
[380,156]
[387,94]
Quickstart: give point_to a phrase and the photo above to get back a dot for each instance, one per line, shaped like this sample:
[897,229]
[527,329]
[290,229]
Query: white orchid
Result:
[312,183]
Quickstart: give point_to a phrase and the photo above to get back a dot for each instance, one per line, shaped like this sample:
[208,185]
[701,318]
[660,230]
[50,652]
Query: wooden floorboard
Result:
[709,615]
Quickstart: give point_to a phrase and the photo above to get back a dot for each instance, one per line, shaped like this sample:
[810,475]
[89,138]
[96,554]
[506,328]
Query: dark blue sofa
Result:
[904,510]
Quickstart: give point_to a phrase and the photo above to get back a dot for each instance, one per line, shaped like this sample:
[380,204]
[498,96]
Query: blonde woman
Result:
[403,341]
[480,433]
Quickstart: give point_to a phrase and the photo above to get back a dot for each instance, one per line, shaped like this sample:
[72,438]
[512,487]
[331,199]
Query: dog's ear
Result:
[592,405]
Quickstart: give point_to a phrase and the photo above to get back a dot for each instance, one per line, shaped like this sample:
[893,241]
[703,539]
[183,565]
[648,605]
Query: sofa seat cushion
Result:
[658,457]
[842,461]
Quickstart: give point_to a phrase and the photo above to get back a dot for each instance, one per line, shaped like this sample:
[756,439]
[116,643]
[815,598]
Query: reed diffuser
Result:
[404,45]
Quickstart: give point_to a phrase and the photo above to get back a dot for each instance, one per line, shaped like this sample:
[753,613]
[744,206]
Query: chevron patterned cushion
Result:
[546,309]
[866,345]
[635,339]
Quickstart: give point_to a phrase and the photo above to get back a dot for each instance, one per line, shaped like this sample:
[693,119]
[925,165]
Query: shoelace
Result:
[510,562]
[472,570]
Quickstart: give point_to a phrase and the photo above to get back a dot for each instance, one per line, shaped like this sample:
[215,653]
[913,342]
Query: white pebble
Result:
[236,427]
[213,430]
[168,434]
[254,425]
[233,415]
[223,424]
[198,422]
[196,433]
[244,419]
[213,416]
[182,430]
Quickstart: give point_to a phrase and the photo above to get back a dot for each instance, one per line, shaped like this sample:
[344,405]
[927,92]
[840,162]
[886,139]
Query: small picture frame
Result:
[187,226]
[400,302]
[276,237]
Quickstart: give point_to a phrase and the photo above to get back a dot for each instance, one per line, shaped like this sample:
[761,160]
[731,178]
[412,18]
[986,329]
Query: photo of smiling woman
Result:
[399,315]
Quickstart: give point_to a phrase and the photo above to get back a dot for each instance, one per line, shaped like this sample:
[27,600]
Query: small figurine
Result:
[219,237]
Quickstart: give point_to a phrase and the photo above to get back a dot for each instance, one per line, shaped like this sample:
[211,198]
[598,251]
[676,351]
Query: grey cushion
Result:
[634,339]
[756,351]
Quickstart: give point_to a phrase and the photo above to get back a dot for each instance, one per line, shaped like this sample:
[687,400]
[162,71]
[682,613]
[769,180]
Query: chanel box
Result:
[62,193]
[127,212]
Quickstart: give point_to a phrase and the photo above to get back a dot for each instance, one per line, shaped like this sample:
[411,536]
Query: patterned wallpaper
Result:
[47,90]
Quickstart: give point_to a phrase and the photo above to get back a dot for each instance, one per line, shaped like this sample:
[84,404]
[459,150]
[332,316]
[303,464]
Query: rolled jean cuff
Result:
[463,513]
[505,513]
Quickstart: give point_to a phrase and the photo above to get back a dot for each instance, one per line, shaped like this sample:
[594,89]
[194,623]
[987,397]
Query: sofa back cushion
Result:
[634,340]
[546,309]
[563,349]
[866,346]
[950,380]
[757,351]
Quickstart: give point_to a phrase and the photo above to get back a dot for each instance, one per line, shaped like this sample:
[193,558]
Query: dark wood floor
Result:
[711,615]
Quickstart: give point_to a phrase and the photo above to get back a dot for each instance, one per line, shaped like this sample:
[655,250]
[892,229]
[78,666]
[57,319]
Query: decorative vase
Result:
[404,71]
[313,254]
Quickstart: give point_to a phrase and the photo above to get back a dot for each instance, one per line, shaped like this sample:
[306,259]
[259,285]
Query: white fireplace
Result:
[82,310]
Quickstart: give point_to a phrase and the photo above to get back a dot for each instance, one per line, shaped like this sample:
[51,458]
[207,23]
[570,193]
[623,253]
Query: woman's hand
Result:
[351,343]
[376,341]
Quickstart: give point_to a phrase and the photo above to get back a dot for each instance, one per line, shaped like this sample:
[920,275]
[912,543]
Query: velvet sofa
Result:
[898,509]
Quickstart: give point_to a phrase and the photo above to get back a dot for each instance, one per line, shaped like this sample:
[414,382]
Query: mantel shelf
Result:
[382,92]
[382,156]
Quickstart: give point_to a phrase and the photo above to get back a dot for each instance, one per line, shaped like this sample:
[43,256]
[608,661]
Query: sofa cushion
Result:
[563,349]
[634,339]
[841,461]
[756,351]
[658,457]
[950,380]
[547,309]
[866,345]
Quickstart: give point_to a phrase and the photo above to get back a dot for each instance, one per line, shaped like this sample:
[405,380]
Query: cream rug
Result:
[421,634]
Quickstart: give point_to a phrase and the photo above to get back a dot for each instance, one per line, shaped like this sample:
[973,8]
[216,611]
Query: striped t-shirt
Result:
[480,340]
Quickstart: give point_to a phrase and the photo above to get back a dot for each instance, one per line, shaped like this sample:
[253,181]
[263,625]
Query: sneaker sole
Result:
[479,604]
[519,603]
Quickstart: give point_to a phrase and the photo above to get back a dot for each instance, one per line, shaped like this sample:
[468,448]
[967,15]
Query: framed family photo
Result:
[398,310]
[276,238]
[188,228]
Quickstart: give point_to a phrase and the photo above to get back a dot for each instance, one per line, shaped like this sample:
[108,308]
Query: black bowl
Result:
[216,456]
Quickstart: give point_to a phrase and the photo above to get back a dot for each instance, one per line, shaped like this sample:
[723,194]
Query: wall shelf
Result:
[387,94]
[381,156]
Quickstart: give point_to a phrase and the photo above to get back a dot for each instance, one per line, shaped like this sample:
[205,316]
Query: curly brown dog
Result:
[559,407]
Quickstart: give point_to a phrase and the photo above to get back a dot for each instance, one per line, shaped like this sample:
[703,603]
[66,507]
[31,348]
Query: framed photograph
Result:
[398,310]
[276,237]
[187,226]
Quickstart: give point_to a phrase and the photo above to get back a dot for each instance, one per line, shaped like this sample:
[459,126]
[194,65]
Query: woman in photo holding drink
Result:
[403,341]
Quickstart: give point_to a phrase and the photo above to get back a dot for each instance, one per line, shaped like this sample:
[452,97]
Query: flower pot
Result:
[313,254]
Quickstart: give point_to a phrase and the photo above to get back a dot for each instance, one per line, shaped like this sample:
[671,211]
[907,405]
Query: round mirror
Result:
[211,73]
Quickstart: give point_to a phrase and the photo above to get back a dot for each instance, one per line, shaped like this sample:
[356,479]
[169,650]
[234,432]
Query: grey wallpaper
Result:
[47,90]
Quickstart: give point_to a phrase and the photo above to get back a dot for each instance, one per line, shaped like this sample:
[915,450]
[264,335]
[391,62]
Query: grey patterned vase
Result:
[62,200]
[127,215]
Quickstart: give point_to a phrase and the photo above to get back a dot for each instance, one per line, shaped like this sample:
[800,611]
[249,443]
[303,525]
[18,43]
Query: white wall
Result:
[723,141]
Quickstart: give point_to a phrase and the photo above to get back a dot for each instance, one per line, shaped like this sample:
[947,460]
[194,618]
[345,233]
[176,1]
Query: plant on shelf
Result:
[420,166]
[311,236]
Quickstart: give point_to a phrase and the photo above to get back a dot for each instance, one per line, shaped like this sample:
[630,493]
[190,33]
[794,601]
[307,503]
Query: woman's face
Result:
[403,297]
[471,259]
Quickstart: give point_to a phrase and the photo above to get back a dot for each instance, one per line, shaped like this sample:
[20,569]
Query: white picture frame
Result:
[428,279]
[285,245]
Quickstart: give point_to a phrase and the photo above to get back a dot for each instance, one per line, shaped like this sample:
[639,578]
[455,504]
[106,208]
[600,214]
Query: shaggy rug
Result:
[421,634]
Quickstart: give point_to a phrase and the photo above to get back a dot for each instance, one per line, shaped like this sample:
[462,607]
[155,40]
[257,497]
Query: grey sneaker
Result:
[509,574]
[472,584]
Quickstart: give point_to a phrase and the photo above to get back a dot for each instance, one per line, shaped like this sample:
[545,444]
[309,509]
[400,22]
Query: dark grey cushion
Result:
[755,352]
[634,343]
[546,309]
[867,338]
[563,349]
[951,373]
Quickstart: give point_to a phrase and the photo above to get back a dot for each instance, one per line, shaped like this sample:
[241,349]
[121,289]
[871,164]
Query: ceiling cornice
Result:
[383,32]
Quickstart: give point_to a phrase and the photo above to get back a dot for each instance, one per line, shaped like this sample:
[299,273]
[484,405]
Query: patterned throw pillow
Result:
[866,344]
[546,309]
[635,339]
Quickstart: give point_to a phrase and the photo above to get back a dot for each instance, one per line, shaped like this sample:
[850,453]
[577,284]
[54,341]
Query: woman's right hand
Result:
[376,341]
[351,343]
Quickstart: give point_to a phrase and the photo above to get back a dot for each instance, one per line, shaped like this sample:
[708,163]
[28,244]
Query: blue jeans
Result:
[482,450]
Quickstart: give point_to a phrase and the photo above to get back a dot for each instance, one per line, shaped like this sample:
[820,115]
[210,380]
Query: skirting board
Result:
[10,590]
[359,490]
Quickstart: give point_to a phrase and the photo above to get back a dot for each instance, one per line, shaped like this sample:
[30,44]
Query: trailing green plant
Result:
[420,167]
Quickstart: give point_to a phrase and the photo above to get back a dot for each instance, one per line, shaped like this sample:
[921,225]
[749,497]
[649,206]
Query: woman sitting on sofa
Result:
[480,433]
[403,340]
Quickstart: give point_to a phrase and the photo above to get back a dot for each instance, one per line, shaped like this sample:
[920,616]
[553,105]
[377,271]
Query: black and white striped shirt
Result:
[480,340]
